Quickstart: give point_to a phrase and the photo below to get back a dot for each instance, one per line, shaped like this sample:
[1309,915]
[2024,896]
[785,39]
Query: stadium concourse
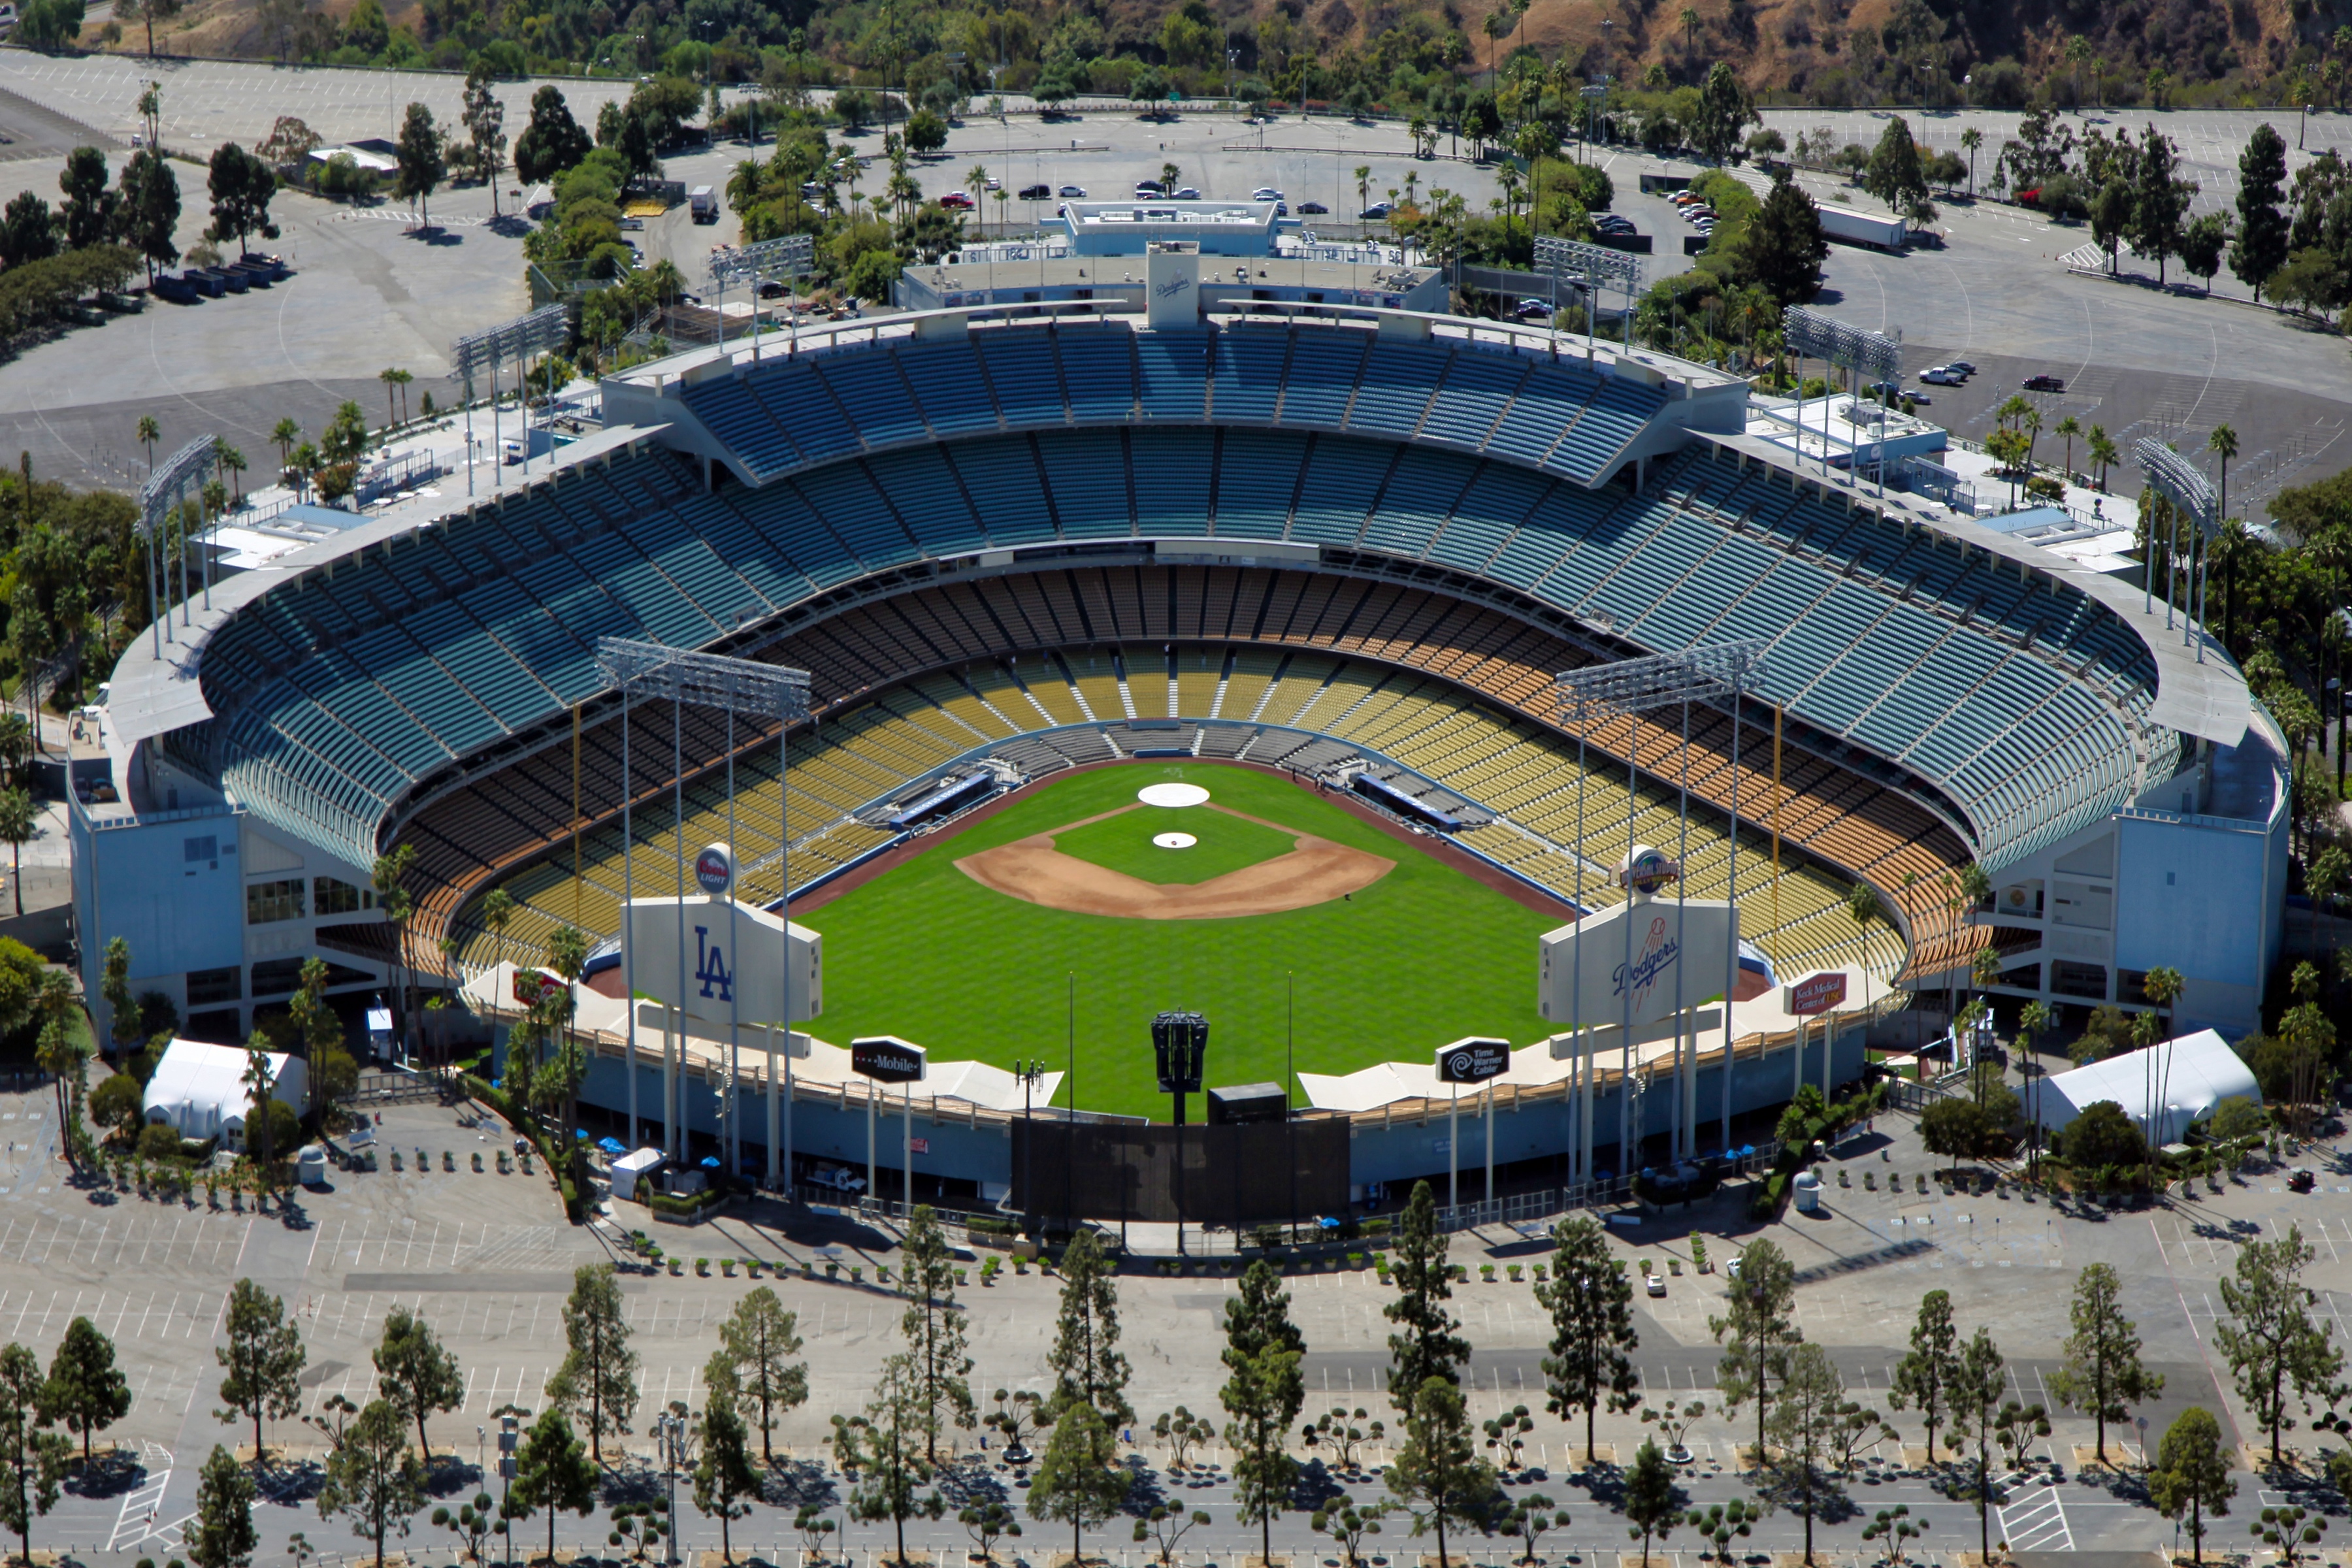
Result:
[1338,538]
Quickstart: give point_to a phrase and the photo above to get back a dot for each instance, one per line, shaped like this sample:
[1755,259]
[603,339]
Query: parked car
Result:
[994,183]
[2044,383]
[1282,209]
[1530,308]
[1656,1283]
[1187,194]
[1376,212]
[1072,192]
[1963,366]
[1145,189]
[1313,209]
[956,201]
[1943,375]
[836,1178]
[2301,1182]
[1610,222]
[1036,193]
[1265,194]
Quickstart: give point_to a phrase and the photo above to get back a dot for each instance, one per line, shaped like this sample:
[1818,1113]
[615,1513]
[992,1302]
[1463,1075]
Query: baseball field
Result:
[975,946]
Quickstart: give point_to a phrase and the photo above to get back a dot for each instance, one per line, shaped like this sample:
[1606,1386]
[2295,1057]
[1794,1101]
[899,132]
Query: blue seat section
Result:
[1256,481]
[1343,480]
[919,486]
[1322,380]
[949,388]
[1547,402]
[873,395]
[784,514]
[1246,382]
[679,553]
[1098,366]
[1087,473]
[741,417]
[747,553]
[1020,366]
[1002,477]
[1564,526]
[1496,501]
[846,500]
[1173,369]
[1396,387]
[1171,480]
[1478,387]
[1615,415]
[1419,497]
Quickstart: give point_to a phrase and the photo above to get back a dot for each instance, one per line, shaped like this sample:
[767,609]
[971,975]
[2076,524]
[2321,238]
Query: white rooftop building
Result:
[199,1090]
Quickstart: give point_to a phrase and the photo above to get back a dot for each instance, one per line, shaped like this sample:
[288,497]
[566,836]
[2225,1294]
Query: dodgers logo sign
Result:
[1652,964]
[714,870]
[711,967]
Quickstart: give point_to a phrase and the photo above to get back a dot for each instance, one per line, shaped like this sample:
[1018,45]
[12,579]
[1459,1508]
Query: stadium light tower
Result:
[166,488]
[1812,336]
[2173,477]
[791,256]
[1625,689]
[543,330]
[756,690]
[1594,264]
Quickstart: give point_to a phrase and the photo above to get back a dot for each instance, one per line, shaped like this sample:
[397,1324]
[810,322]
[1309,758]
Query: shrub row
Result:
[36,293]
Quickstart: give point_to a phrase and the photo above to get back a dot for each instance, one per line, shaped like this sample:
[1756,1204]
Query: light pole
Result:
[672,1428]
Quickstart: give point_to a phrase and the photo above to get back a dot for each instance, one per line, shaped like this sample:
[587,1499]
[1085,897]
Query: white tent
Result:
[199,1090]
[2180,1080]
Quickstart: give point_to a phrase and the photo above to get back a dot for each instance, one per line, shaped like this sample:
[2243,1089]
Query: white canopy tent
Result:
[2177,1082]
[199,1090]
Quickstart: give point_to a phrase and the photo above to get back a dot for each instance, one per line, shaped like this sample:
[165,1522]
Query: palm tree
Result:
[2223,443]
[18,824]
[284,434]
[2030,422]
[976,181]
[1862,906]
[2078,50]
[2032,1024]
[1496,25]
[1363,187]
[2101,452]
[149,434]
[1971,139]
[401,378]
[1690,28]
[498,908]
[2070,429]
[390,378]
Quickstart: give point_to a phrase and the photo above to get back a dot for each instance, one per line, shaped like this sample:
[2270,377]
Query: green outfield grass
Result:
[1420,957]
[1124,843]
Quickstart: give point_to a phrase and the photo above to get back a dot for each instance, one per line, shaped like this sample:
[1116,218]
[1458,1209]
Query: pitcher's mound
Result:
[1033,870]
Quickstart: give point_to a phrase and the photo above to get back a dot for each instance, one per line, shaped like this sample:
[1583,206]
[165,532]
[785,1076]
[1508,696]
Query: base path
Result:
[1316,872]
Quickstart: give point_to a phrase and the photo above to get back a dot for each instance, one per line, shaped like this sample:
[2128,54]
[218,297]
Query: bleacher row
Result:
[1026,636]
[1503,763]
[1552,415]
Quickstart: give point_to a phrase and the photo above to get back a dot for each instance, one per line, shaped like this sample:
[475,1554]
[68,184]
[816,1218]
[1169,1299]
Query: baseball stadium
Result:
[1225,663]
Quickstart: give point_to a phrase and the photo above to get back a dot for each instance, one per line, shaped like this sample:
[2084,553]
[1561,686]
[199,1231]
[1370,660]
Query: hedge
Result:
[497,1101]
[36,293]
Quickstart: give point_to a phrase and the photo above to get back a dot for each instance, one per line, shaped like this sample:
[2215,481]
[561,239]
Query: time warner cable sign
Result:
[1640,962]
[721,959]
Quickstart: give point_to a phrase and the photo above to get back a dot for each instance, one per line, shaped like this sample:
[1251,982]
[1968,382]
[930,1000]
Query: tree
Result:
[1078,1481]
[371,1479]
[477,1522]
[264,1356]
[416,1373]
[762,1337]
[1724,110]
[934,1327]
[1165,1528]
[32,1460]
[423,161]
[2275,1344]
[1976,1399]
[553,141]
[2261,247]
[1895,174]
[1087,1364]
[1962,1128]
[221,1535]
[1806,1419]
[1426,1343]
[1758,1332]
[2192,1475]
[725,1483]
[927,132]
[2201,245]
[1436,1473]
[1651,1502]
[1723,1523]
[28,230]
[1346,1525]
[599,1374]
[241,185]
[1590,1302]
[1925,1376]
[1529,1518]
[883,1451]
[148,209]
[2103,1375]
[1784,247]
[2159,201]
[2103,1135]
[88,213]
[989,1522]
[2288,1529]
[552,1471]
[1263,1394]
[86,1392]
[484,118]
[19,822]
